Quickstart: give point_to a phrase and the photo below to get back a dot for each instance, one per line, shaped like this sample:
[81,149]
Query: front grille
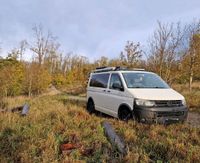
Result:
[168,103]
[170,114]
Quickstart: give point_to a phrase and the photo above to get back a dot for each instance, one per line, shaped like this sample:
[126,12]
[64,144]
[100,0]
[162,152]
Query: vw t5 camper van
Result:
[136,93]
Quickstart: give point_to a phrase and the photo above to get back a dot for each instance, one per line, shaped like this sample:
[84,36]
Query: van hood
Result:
[156,94]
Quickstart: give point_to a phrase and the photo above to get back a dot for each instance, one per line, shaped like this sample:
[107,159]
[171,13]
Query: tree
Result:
[37,79]
[191,59]
[22,48]
[14,53]
[66,64]
[131,54]
[42,43]
[17,53]
[76,68]
[53,59]
[164,46]
[11,77]
[103,61]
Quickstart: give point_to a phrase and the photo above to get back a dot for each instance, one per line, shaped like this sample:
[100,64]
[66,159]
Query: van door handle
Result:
[108,91]
[104,90]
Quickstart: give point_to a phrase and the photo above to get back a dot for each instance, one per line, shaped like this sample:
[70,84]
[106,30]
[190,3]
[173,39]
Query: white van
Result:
[136,94]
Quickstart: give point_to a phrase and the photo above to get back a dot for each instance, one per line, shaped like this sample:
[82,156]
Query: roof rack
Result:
[117,68]
[104,69]
[138,69]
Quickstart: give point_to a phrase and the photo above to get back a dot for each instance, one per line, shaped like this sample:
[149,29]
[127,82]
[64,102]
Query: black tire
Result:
[124,114]
[136,116]
[90,106]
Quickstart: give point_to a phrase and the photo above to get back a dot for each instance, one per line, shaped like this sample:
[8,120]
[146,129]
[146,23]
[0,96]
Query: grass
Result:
[53,121]
[192,98]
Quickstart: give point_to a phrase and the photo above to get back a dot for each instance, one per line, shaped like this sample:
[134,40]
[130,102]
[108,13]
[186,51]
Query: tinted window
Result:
[99,80]
[115,78]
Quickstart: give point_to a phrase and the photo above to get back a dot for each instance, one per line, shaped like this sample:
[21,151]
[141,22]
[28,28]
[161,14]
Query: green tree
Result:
[11,77]
[37,79]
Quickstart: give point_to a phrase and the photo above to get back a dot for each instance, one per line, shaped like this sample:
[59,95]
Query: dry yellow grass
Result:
[53,121]
[193,97]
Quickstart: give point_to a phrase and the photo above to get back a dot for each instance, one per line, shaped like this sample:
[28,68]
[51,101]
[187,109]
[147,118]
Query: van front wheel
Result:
[90,106]
[124,114]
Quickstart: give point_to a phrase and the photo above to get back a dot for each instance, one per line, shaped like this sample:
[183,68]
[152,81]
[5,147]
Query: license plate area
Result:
[167,120]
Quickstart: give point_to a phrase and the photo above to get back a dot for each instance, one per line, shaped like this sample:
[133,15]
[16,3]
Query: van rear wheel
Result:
[90,106]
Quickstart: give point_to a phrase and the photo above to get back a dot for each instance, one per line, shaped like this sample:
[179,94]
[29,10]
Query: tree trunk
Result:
[29,89]
[191,79]
[192,62]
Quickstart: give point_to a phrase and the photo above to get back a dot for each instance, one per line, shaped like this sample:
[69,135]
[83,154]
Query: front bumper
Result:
[161,115]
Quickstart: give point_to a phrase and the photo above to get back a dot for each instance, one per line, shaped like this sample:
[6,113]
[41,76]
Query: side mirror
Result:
[117,86]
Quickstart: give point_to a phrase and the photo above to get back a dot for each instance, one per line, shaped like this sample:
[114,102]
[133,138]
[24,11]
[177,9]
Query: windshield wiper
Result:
[156,87]
[148,87]
[137,87]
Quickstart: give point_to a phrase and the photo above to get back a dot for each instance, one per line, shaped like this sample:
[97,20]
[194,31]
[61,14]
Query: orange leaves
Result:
[68,146]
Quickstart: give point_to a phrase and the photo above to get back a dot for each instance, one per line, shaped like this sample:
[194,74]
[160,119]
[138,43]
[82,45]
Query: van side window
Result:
[115,78]
[99,80]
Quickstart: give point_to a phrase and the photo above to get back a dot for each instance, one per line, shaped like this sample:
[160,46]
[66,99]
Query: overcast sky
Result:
[90,27]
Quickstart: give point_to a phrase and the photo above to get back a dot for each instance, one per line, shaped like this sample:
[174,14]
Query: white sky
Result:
[90,27]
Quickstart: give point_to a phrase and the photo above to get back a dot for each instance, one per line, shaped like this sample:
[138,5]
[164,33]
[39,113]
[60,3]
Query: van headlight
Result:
[141,102]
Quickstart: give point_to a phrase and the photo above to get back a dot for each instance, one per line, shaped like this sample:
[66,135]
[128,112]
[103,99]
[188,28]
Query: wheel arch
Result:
[90,99]
[124,105]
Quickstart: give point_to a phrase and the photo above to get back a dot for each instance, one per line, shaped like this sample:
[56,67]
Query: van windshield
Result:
[144,80]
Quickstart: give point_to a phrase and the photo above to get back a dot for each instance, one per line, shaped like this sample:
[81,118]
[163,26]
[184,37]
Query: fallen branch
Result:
[115,140]
[24,109]
[16,109]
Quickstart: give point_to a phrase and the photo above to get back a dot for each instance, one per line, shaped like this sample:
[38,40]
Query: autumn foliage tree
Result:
[11,77]
[37,79]
[191,57]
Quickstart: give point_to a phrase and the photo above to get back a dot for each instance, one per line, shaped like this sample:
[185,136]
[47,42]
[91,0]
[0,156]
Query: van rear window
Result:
[99,80]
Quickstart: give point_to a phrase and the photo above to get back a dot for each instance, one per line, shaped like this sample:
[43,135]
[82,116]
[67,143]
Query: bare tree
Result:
[131,54]
[18,52]
[192,50]
[22,48]
[66,64]
[14,53]
[53,58]
[42,43]
[164,46]
[103,61]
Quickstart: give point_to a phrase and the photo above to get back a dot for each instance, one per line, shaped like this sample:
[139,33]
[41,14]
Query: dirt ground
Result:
[193,119]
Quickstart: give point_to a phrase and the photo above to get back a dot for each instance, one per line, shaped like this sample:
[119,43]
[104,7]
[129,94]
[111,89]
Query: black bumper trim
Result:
[161,114]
